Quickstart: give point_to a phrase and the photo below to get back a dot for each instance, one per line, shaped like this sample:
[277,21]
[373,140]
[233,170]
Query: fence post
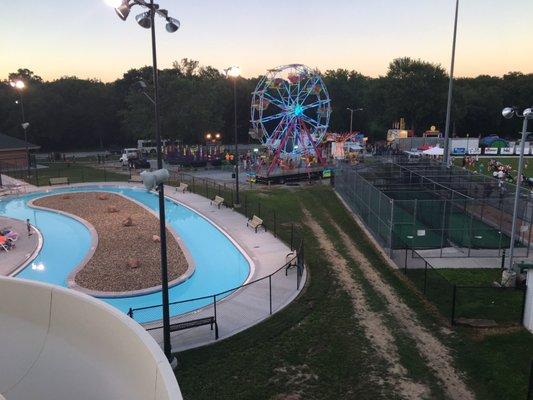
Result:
[405,262]
[275,231]
[425,275]
[193,184]
[453,304]
[105,174]
[215,315]
[503,260]
[530,387]
[292,236]
[83,174]
[130,313]
[270,291]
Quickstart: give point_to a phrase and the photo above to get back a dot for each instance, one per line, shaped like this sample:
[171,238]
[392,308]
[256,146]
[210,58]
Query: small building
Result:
[13,152]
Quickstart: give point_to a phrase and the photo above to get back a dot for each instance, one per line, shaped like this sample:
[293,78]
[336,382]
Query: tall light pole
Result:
[19,85]
[351,116]
[147,21]
[510,112]
[450,90]
[234,72]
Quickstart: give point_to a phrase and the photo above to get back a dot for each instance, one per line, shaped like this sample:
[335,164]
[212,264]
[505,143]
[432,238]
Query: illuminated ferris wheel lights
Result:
[298,110]
[297,120]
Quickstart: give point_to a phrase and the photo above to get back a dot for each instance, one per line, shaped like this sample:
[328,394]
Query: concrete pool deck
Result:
[26,247]
[246,306]
[251,304]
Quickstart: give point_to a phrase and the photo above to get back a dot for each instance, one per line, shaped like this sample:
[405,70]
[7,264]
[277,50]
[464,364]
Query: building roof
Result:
[12,143]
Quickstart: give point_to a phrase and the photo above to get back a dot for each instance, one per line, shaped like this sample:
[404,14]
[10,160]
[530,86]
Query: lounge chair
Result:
[5,243]
[12,235]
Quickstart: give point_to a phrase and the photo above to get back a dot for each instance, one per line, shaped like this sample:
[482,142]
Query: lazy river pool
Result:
[219,264]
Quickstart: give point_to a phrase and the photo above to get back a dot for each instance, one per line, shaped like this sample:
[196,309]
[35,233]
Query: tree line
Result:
[73,113]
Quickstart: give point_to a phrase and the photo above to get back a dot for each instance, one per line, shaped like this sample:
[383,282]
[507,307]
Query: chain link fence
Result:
[443,212]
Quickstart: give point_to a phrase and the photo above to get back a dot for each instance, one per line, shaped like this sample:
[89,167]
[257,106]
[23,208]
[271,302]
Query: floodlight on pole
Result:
[147,21]
[526,115]
[446,157]
[351,116]
[19,85]
[144,20]
[234,72]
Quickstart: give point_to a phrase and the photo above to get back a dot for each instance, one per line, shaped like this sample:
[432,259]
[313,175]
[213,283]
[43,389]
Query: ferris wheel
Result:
[290,111]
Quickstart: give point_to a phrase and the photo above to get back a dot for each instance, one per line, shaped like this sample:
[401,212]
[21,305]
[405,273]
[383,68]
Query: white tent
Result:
[434,151]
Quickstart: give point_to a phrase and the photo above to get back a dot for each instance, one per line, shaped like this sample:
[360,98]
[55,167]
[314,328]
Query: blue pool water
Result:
[220,266]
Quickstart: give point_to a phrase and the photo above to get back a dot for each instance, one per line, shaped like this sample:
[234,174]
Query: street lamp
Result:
[19,85]
[508,113]
[351,116]
[446,157]
[233,73]
[147,21]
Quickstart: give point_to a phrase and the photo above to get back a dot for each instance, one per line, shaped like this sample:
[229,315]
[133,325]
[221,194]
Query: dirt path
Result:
[373,323]
[437,355]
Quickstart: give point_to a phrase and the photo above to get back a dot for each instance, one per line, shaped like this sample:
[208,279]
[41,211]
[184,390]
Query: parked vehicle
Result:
[149,146]
[134,158]
[129,153]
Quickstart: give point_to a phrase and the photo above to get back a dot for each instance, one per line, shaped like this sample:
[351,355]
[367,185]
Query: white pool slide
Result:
[58,344]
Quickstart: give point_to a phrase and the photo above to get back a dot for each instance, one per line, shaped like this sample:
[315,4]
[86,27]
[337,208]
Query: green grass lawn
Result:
[463,231]
[76,172]
[315,349]
[513,161]
[478,300]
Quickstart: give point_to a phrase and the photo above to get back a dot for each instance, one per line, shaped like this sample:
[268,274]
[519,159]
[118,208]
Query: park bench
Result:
[179,326]
[59,181]
[183,187]
[218,201]
[255,222]
[290,261]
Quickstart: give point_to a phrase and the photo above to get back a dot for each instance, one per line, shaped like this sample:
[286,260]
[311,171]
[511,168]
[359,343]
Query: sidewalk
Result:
[251,304]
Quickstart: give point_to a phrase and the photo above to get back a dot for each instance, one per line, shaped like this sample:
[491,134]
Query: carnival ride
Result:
[290,113]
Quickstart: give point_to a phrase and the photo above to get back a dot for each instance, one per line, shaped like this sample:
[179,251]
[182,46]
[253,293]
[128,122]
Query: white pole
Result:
[517,191]
[450,89]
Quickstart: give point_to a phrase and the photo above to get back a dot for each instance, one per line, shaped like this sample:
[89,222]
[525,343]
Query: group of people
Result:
[470,161]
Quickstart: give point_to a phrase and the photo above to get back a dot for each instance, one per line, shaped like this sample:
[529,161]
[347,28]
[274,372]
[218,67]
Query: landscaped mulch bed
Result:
[110,268]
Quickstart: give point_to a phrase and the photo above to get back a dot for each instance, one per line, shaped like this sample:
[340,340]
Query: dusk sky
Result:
[86,39]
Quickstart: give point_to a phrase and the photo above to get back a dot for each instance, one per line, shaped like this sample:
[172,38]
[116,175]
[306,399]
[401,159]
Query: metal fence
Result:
[447,212]
[269,293]
[77,171]
[459,301]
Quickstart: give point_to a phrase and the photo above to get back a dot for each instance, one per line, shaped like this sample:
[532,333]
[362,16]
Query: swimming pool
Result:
[220,265]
